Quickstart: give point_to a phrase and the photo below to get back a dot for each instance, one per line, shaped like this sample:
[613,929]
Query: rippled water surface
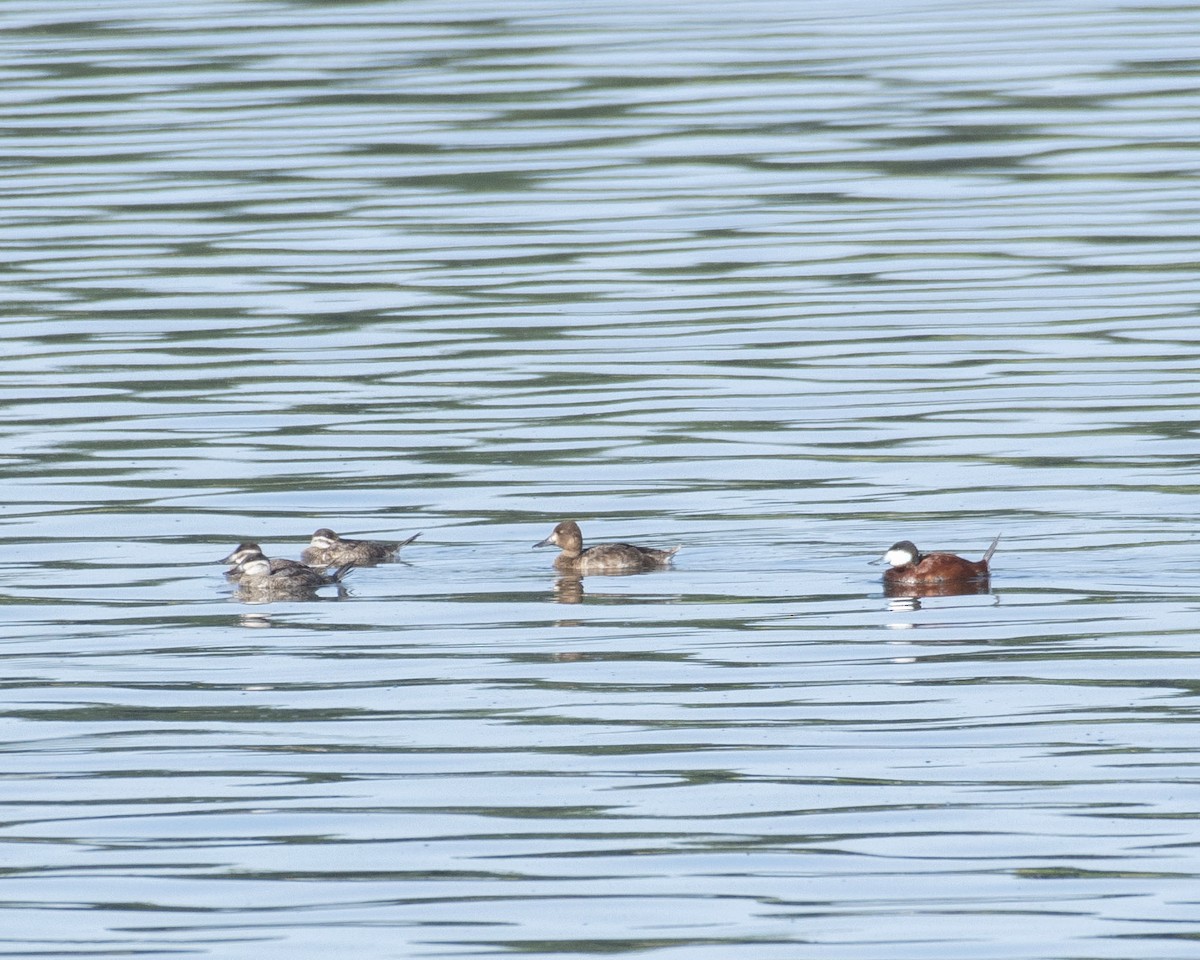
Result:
[780,282]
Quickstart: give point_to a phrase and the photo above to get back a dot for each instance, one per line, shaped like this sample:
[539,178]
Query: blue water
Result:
[782,283]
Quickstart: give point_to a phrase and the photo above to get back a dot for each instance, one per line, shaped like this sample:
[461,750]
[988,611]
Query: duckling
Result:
[250,551]
[259,581]
[327,549]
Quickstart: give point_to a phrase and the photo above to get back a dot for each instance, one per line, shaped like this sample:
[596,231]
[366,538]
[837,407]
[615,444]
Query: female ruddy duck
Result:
[252,551]
[909,565]
[259,580]
[327,549]
[603,557]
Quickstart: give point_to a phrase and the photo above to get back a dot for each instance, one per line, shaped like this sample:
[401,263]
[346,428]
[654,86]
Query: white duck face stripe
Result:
[899,557]
[258,567]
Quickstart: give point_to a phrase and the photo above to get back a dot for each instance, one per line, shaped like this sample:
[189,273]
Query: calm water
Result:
[781,282]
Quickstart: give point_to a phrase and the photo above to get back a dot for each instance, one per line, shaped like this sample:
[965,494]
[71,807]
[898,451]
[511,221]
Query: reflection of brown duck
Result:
[945,588]
[568,590]
[910,566]
[603,557]
[327,549]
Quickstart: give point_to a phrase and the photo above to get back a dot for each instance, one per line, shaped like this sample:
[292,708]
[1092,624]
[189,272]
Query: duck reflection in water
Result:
[603,558]
[949,588]
[568,590]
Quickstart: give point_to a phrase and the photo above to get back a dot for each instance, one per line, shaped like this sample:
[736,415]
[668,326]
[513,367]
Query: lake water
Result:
[782,282]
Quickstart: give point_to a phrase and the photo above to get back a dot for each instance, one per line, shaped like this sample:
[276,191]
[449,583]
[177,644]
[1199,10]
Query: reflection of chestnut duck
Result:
[603,557]
[909,565]
[943,588]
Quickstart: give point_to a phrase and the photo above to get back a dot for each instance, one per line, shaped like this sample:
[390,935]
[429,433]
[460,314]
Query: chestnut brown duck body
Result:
[576,560]
[909,565]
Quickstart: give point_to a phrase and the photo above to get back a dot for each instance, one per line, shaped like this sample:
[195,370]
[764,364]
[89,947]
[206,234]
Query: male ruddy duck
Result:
[259,580]
[603,557]
[327,549]
[252,551]
[910,566]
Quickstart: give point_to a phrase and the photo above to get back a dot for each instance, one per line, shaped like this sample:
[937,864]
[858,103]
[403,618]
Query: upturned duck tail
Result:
[992,549]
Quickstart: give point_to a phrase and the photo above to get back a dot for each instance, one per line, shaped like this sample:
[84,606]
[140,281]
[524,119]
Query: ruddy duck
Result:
[603,557]
[252,551]
[327,549]
[258,580]
[909,565]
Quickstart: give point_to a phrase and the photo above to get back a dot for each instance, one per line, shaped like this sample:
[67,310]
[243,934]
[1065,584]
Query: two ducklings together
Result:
[327,550]
[256,574]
